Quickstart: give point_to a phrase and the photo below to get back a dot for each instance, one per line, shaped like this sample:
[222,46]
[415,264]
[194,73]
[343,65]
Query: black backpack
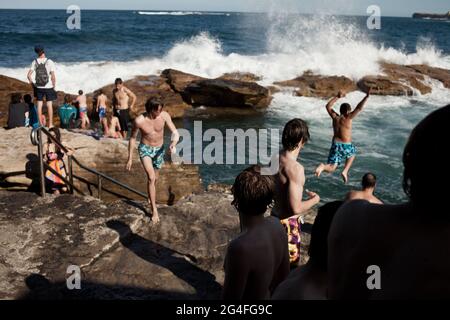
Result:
[41,74]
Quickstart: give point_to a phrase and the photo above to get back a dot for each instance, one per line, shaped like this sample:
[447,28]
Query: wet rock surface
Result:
[310,85]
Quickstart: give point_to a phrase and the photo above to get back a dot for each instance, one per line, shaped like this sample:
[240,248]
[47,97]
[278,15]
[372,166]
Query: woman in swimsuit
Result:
[111,125]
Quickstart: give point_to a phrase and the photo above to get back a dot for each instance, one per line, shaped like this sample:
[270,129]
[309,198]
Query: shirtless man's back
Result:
[81,100]
[261,255]
[258,260]
[413,255]
[369,182]
[362,195]
[342,148]
[101,105]
[111,126]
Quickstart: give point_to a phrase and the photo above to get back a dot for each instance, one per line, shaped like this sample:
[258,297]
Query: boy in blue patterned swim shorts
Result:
[151,148]
[342,149]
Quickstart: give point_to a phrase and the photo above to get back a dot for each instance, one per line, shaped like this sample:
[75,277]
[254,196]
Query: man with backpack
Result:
[43,83]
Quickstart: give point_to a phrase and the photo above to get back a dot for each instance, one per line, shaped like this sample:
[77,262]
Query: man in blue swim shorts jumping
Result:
[151,148]
[342,148]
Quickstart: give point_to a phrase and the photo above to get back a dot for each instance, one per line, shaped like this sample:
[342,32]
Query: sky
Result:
[398,8]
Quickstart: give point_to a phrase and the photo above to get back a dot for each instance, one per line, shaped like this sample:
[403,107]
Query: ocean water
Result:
[275,46]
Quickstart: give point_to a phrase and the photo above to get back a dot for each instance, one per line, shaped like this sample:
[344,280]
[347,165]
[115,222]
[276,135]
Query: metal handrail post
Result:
[99,186]
[41,164]
[70,174]
[71,159]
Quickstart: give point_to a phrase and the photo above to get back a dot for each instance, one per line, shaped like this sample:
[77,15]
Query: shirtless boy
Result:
[290,181]
[257,261]
[290,178]
[369,182]
[342,148]
[151,148]
[81,100]
[101,105]
[121,96]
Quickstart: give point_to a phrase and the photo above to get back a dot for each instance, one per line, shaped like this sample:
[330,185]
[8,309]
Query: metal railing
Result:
[36,139]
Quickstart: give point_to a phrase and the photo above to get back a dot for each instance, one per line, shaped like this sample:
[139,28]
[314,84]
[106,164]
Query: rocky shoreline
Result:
[240,92]
[19,167]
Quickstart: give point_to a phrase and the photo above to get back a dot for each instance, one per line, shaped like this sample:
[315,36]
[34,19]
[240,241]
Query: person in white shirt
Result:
[43,82]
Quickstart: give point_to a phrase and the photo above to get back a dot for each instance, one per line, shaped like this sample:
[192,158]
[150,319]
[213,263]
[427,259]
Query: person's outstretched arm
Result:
[360,105]
[175,135]
[131,145]
[133,98]
[331,103]
[30,72]
[296,178]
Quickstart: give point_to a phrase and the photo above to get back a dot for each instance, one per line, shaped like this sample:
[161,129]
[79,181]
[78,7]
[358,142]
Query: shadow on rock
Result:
[40,288]
[180,264]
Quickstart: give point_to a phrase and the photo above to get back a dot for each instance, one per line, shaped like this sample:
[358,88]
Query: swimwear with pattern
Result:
[340,152]
[293,226]
[154,153]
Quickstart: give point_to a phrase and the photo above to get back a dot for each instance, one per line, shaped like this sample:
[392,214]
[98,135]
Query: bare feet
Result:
[320,169]
[344,177]
[155,216]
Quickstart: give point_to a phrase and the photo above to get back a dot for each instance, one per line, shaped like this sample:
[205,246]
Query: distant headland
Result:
[432,16]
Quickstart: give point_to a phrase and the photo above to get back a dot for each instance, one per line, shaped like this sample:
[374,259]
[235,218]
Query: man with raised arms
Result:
[342,148]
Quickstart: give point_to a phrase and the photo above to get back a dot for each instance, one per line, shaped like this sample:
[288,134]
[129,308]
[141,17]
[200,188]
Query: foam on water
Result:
[181,13]
[324,45]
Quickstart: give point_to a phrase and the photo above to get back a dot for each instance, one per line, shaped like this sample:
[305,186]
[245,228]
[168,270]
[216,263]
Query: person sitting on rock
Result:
[342,148]
[54,155]
[398,251]
[257,261]
[369,182]
[18,112]
[111,125]
[67,113]
[32,112]
[309,282]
